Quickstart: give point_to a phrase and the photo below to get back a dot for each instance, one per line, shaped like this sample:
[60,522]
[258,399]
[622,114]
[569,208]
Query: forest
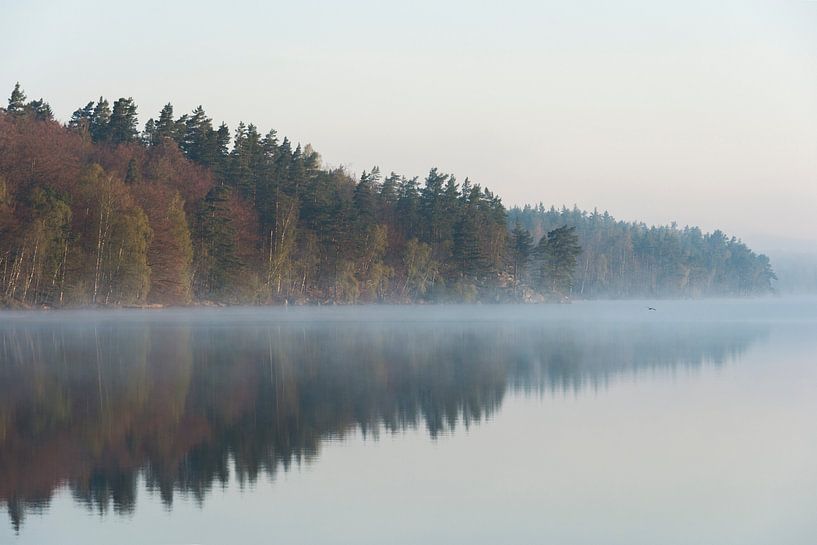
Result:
[97,211]
[628,259]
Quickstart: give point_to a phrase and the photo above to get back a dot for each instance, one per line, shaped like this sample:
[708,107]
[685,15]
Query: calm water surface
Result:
[591,423]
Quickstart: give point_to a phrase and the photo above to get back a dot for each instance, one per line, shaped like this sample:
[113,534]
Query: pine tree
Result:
[466,251]
[100,119]
[17,101]
[219,161]
[81,119]
[122,126]
[40,109]
[165,125]
[364,197]
[388,191]
[521,246]
[433,208]
[296,174]
[558,252]
[245,160]
[149,134]
[133,174]
[198,137]
[261,170]
[408,208]
[216,263]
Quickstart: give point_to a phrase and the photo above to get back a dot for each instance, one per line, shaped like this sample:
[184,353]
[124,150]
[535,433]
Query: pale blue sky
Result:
[699,112]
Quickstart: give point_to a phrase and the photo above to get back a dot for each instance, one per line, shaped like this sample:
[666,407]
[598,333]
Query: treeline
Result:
[98,212]
[628,259]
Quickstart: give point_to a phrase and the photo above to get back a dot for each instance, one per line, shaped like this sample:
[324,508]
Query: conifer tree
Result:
[122,126]
[165,125]
[408,208]
[134,174]
[558,252]
[149,134]
[364,197]
[198,137]
[40,109]
[17,101]
[220,152]
[216,262]
[388,191]
[467,255]
[521,246]
[81,119]
[100,119]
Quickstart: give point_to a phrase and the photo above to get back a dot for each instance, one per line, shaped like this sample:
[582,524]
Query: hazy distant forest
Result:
[97,212]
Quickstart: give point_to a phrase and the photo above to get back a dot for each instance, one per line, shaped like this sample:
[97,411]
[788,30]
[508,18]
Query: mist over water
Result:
[689,423]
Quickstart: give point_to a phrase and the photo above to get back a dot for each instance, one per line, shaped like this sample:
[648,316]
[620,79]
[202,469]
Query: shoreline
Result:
[19,307]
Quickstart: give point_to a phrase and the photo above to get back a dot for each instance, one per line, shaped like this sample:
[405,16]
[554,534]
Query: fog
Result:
[579,313]
[167,420]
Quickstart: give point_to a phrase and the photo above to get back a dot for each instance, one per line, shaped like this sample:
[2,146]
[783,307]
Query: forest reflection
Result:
[182,405]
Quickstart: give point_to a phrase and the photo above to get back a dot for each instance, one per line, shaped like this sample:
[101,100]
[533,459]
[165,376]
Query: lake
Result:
[596,422]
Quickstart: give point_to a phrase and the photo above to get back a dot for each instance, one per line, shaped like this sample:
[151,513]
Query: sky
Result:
[702,113]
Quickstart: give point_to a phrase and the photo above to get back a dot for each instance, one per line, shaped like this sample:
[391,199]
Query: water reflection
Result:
[186,403]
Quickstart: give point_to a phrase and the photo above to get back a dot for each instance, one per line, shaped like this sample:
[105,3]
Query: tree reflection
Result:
[189,404]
